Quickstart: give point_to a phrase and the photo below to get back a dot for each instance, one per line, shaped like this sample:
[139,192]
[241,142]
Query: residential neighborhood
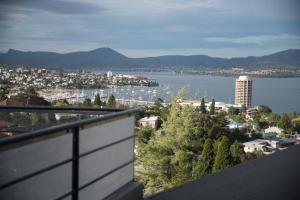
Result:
[20,78]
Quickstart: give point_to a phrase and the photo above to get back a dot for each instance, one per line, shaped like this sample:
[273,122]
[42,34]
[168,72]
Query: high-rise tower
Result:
[243,91]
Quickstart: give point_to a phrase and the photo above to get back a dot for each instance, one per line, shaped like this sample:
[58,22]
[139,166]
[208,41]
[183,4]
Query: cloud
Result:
[179,28]
[153,26]
[258,39]
[56,6]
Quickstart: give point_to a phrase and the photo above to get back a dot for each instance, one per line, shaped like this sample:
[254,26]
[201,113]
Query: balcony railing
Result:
[90,158]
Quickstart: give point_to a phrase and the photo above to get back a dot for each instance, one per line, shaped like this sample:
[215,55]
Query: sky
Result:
[142,28]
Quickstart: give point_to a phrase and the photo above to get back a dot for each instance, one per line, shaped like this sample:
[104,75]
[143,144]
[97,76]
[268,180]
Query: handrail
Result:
[74,129]
[64,126]
[60,108]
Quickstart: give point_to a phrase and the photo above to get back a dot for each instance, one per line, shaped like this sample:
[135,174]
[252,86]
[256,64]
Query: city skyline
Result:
[152,28]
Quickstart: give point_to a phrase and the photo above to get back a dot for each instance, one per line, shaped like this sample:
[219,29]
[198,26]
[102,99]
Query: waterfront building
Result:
[109,75]
[243,91]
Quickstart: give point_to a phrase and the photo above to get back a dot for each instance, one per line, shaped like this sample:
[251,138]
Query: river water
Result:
[280,94]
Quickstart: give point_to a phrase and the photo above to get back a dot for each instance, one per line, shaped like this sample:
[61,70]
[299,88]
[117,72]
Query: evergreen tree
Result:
[202,106]
[285,122]
[264,109]
[30,97]
[3,94]
[181,162]
[212,107]
[37,119]
[87,102]
[215,131]
[158,102]
[205,163]
[236,150]
[111,102]
[223,157]
[233,111]
[167,158]
[31,91]
[243,109]
[143,135]
[97,101]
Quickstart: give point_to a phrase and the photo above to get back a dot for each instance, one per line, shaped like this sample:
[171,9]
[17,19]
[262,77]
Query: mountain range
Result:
[109,58]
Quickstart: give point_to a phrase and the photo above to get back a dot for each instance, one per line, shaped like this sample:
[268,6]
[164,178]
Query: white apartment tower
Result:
[243,91]
[109,75]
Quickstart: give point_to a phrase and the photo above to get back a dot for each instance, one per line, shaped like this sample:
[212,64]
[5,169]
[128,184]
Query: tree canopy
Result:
[97,101]
[223,157]
[212,107]
[188,146]
[202,106]
[111,102]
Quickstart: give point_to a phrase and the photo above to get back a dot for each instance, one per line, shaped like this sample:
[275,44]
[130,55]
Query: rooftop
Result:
[151,118]
[243,78]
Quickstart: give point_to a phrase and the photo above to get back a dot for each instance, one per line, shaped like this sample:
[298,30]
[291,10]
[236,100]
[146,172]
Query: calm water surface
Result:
[281,94]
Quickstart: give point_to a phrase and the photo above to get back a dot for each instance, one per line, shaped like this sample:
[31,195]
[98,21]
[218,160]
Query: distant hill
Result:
[109,58]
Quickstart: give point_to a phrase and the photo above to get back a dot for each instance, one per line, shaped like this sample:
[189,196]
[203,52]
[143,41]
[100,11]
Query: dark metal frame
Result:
[72,128]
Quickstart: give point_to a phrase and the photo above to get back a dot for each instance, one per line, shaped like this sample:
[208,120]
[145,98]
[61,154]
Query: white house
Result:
[149,122]
[259,145]
[186,102]
[219,106]
[274,129]
[235,124]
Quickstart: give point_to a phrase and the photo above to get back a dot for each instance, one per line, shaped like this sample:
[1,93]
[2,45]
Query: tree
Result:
[87,102]
[143,135]
[223,157]
[215,131]
[97,101]
[30,97]
[3,94]
[212,107]
[170,156]
[296,124]
[285,122]
[158,102]
[273,118]
[264,109]
[202,106]
[31,91]
[167,158]
[205,163]
[60,103]
[236,150]
[233,111]
[37,119]
[243,109]
[111,102]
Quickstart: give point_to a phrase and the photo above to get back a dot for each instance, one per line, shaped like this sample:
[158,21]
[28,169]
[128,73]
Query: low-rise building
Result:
[274,129]
[235,124]
[151,121]
[189,102]
[259,145]
[268,146]
[219,106]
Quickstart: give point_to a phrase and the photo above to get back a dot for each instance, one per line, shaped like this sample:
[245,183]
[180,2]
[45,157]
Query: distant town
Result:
[19,78]
[280,72]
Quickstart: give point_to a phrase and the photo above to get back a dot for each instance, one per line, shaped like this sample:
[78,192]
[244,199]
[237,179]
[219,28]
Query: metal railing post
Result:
[75,163]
